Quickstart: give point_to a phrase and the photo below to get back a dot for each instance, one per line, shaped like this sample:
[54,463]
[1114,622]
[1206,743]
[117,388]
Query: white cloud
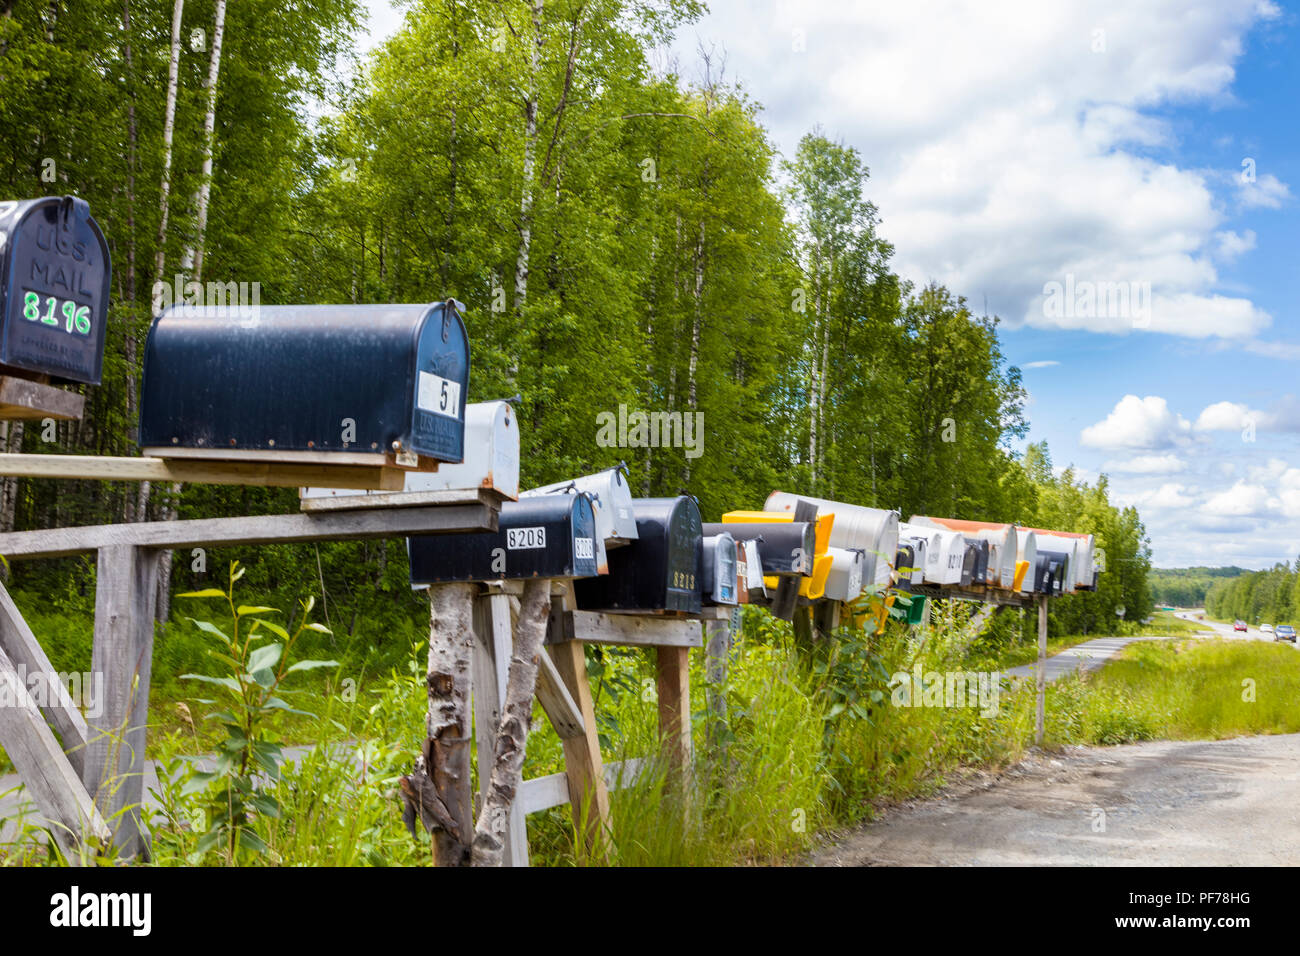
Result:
[1013,144]
[1046,364]
[1241,500]
[1166,497]
[1146,424]
[1228,417]
[1148,465]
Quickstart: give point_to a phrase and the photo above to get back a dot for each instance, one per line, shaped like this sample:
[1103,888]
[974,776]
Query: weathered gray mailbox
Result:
[660,570]
[719,569]
[551,536]
[360,384]
[785,549]
[54,287]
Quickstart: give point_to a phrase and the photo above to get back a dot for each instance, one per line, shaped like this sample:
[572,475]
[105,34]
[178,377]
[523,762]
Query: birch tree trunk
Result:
[130,345]
[192,262]
[169,128]
[530,160]
[437,792]
[516,719]
[194,251]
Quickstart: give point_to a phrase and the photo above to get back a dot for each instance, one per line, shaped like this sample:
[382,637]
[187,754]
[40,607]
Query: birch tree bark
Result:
[530,159]
[516,719]
[437,791]
[169,128]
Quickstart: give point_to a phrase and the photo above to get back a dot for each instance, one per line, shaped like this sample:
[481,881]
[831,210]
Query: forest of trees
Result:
[1257,597]
[1187,587]
[621,233]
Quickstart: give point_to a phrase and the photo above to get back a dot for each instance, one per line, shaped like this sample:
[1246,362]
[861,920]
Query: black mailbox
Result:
[660,570]
[281,381]
[548,536]
[1049,572]
[718,572]
[904,562]
[54,286]
[787,548]
[981,573]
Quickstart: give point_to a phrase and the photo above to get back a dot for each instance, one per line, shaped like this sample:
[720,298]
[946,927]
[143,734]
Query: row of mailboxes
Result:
[55,274]
[356,383]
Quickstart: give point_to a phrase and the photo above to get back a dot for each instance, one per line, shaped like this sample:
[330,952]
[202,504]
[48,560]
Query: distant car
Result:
[1266,628]
[1239,626]
[1284,632]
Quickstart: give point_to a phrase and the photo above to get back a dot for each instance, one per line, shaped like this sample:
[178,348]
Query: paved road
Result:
[1084,657]
[1161,803]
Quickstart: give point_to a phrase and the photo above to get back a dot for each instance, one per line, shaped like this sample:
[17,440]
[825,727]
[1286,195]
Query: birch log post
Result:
[437,792]
[516,718]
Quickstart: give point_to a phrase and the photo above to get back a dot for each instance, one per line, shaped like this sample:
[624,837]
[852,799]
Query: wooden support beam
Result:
[716,654]
[542,793]
[597,627]
[583,768]
[557,703]
[265,529]
[673,682]
[493,630]
[199,471]
[20,644]
[1040,716]
[51,782]
[401,499]
[125,596]
[22,398]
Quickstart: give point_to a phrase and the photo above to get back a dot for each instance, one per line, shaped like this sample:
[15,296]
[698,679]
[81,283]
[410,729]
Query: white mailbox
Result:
[844,583]
[923,541]
[491,458]
[1001,539]
[944,555]
[872,530]
[1027,554]
[1078,548]
[613,498]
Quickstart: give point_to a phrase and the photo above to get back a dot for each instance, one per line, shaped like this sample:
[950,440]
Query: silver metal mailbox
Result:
[872,530]
[491,458]
[615,519]
[944,555]
[848,567]
[1027,551]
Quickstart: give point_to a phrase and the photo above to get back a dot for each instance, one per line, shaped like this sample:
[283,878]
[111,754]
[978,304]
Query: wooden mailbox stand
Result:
[93,782]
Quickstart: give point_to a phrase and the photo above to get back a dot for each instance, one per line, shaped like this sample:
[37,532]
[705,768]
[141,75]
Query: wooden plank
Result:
[125,596]
[265,529]
[493,630]
[983,595]
[597,627]
[18,641]
[202,472]
[557,702]
[21,398]
[401,499]
[52,784]
[552,790]
[673,682]
[583,768]
[369,459]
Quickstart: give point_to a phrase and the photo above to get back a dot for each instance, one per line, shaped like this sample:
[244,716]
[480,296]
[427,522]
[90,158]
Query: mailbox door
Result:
[719,569]
[550,537]
[55,273]
[904,560]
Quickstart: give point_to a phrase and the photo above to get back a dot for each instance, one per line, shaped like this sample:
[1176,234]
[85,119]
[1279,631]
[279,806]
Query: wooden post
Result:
[113,771]
[583,768]
[51,782]
[438,792]
[492,650]
[1040,720]
[717,650]
[673,680]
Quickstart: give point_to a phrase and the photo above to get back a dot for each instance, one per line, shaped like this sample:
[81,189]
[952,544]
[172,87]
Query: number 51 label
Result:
[438,395]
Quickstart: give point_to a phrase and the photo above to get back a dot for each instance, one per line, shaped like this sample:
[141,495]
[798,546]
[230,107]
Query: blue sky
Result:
[1017,144]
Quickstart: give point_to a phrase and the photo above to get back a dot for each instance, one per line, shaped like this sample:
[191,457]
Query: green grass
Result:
[1206,689]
